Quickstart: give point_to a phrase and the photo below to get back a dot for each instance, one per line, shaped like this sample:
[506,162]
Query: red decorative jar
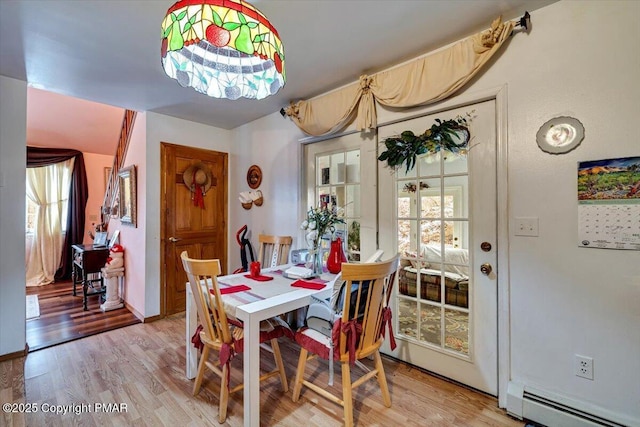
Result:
[336,257]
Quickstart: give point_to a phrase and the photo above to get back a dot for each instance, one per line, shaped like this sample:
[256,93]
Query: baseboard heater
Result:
[552,410]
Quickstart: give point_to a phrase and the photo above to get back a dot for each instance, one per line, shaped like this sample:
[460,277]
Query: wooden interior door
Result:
[202,232]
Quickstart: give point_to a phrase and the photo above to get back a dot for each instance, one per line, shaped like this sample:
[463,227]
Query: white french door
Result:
[441,218]
[339,171]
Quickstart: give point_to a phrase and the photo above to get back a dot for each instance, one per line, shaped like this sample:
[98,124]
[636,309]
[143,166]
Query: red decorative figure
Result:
[336,257]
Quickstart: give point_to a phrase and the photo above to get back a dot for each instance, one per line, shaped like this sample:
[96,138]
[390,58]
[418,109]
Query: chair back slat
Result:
[370,290]
[208,301]
[274,250]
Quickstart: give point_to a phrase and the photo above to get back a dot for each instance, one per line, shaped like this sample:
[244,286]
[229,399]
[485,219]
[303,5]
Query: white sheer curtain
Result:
[48,188]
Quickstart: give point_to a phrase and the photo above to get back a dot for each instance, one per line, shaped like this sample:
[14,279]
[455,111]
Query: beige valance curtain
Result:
[423,81]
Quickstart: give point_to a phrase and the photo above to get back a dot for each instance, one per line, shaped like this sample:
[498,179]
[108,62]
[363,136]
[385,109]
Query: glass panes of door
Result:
[338,184]
[433,240]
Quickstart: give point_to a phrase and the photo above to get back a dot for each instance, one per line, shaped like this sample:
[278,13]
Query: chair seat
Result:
[269,329]
[315,342]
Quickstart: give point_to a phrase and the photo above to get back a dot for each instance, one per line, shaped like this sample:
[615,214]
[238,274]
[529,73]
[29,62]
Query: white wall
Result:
[133,239]
[13,160]
[271,143]
[567,300]
[174,131]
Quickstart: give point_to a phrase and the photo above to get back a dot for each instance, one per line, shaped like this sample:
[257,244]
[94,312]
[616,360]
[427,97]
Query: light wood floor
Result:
[143,366]
[63,319]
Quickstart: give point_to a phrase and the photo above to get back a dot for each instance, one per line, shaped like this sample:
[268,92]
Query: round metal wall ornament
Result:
[254,176]
[560,135]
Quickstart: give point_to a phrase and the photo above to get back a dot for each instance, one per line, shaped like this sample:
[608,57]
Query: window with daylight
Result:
[337,184]
[336,173]
[433,240]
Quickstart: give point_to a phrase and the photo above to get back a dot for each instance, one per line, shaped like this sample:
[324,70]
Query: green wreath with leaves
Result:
[406,147]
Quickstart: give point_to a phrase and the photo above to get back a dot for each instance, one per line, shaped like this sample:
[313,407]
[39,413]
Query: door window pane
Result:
[430,232]
[407,197]
[456,331]
[353,167]
[408,317]
[337,168]
[429,164]
[430,324]
[407,241]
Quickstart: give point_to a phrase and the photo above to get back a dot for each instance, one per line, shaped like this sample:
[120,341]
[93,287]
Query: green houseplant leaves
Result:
[406,147]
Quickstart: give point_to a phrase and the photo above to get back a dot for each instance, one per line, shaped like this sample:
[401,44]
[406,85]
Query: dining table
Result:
[263,299]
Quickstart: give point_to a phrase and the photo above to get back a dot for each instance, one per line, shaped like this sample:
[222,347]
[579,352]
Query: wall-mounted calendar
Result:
[609,203]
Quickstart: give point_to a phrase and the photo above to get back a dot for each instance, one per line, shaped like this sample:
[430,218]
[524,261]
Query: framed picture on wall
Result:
[128,197]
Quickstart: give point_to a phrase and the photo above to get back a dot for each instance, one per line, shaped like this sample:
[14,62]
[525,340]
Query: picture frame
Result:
[115,238]
[127,186]
[100,239]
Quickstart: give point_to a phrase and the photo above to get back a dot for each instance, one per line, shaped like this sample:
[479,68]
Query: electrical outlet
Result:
[584,367]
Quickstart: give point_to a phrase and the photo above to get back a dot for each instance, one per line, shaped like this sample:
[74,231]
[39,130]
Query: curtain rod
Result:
[524,22]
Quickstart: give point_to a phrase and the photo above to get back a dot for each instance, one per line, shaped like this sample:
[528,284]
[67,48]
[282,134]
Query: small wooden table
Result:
[88,259]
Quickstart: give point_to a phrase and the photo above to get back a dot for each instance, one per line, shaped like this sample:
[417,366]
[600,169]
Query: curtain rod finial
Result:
[282,112]
[524,21]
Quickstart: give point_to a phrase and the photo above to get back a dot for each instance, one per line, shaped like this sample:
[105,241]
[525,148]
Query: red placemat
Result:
[232,289]
[259,278]
[308,285]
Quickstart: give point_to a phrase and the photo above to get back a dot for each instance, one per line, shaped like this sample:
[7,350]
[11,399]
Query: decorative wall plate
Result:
[254,176]
[560,135]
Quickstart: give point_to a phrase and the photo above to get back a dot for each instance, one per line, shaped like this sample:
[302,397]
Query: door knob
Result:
[486,268]
[174,239]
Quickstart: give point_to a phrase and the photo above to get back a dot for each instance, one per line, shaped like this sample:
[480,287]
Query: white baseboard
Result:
[551,409]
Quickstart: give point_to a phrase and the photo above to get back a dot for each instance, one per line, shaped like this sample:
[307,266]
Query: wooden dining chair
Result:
[223,335]
[274,250]
[358,334]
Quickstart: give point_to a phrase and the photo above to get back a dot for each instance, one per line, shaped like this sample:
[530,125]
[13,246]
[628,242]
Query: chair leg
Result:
[346,394]
[382,380]
[224,394]
[297,385]
[201,367]
[278,358]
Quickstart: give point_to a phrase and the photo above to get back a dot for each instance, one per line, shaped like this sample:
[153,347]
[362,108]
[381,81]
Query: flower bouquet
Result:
[320,221]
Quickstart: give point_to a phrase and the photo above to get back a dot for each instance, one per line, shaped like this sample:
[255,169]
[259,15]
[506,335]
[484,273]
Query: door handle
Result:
[486,268]
[174,239]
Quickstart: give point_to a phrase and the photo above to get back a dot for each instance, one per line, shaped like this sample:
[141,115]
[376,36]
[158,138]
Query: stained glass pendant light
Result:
[222,48]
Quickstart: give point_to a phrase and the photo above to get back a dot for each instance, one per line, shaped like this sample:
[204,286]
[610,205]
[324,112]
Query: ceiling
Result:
[108,52]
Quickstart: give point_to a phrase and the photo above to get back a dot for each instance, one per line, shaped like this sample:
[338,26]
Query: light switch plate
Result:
[526,226]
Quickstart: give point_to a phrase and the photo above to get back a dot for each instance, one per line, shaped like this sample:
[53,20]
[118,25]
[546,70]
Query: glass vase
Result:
[316,258]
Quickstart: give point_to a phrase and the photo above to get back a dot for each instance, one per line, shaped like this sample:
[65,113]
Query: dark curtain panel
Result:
[78,195]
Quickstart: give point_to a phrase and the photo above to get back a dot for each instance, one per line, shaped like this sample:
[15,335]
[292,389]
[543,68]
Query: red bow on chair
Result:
[195,339]
[352,329]
[386,322]
[227,352]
